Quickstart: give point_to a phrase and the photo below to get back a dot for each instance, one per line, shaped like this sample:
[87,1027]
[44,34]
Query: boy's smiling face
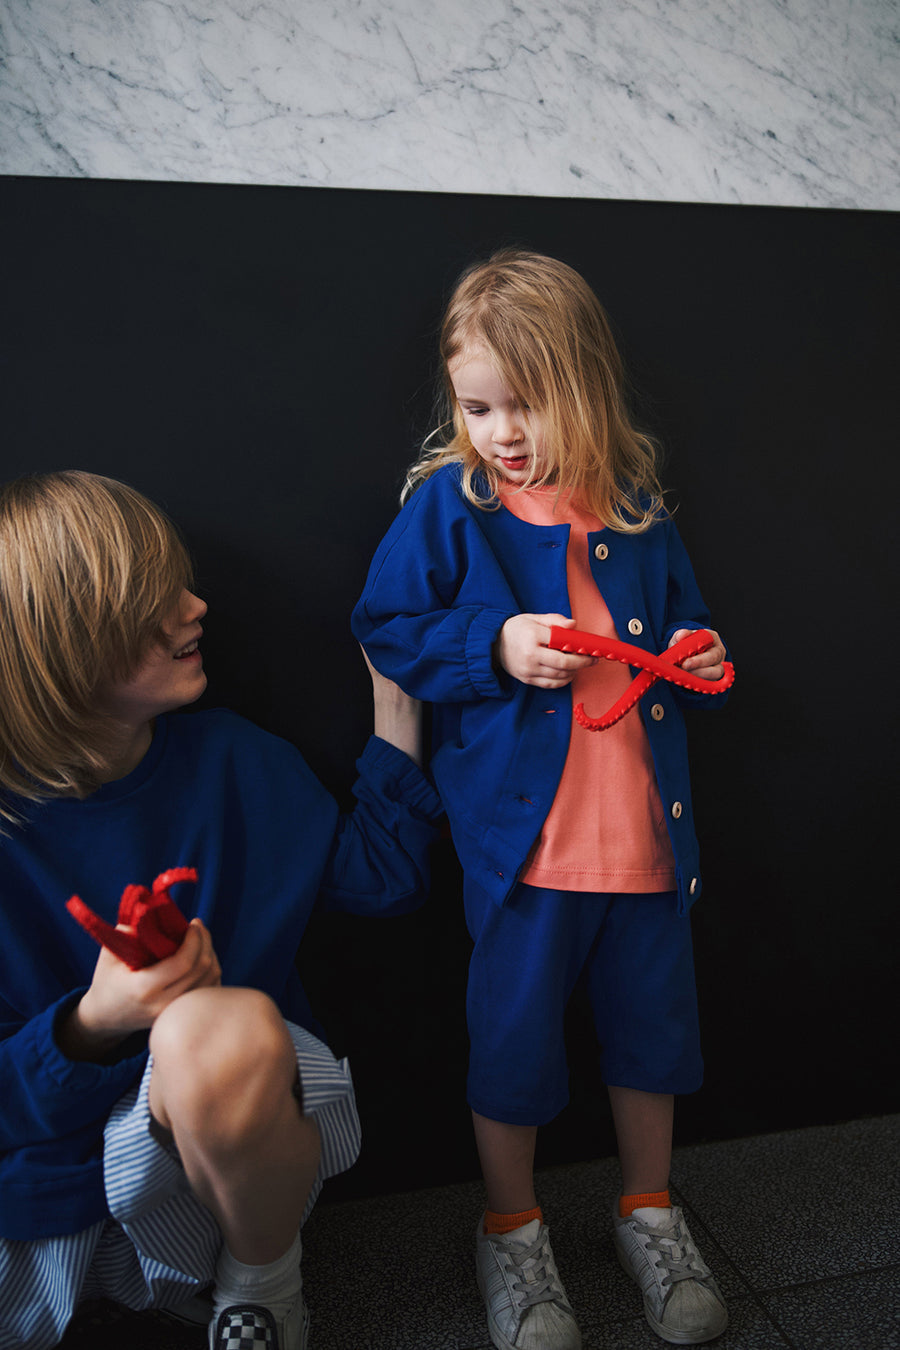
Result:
[169,676]
[505,434]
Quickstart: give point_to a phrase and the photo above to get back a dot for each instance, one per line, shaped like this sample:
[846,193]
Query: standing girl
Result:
[165,1128]
[544,509]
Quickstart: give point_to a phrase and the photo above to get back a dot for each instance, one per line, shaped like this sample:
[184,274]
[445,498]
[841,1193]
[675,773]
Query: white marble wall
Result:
[775,102]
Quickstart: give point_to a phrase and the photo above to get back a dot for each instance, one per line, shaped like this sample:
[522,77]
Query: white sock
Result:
[275,1286]
[651,1215]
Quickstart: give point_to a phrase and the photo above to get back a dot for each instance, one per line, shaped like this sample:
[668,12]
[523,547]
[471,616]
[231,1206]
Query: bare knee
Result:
[223,1064]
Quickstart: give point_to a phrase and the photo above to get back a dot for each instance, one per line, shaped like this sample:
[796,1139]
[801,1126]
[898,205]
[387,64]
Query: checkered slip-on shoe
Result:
[247,1326]
[682,1302]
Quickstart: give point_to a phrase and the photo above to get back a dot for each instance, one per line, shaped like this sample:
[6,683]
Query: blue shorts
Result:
[635,953]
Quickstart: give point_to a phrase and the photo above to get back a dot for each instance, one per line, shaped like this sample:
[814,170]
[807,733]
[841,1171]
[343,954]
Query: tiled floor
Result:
[802,1230]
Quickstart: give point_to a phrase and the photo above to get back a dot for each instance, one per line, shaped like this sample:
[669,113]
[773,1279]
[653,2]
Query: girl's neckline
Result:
[565,512]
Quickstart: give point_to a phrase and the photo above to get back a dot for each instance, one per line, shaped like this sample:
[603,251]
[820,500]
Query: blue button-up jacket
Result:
[444,580]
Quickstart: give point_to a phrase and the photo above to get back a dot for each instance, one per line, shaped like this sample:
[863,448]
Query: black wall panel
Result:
[260,360]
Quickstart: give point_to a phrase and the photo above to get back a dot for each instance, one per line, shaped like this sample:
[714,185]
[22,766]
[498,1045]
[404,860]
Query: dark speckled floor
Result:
[802,1230]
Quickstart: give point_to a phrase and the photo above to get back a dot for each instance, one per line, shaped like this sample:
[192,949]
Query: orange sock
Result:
[649,1200]
[505,1223]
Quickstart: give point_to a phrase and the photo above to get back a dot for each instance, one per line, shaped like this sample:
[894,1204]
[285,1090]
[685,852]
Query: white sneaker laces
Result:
[674,1250]
[541,1286]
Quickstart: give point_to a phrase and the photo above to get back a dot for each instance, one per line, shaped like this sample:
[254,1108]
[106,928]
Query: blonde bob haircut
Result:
[89,569]
[544,331]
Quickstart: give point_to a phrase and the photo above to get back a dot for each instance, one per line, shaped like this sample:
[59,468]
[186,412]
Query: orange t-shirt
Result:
[606,829]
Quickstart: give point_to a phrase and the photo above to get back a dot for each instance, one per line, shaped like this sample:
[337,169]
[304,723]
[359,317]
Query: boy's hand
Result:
[708,665]
[522,651]
[120,1001]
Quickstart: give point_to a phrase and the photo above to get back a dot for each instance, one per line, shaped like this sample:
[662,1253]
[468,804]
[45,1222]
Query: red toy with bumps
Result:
[666,666]
[156,924]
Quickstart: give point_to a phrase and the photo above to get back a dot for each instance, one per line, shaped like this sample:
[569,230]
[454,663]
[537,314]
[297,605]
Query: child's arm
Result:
[397,716]
[64,1067]
[62,1070]
[440,655]
[121,1001]
[423,617]
[522,651]
[379,863]
[43,1094]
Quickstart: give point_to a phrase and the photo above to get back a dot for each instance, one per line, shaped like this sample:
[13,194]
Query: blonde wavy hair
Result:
[89,569]
[548,337]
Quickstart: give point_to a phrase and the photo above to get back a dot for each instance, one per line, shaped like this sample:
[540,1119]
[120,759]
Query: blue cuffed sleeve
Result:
[419,618]
[43,1094]
[379,862]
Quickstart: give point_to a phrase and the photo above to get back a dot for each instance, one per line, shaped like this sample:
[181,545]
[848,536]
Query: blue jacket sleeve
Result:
[421,620]
[685,608]
[379,862]
[44,1094]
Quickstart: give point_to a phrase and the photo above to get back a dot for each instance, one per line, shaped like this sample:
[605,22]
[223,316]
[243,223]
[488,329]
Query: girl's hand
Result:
[121,1000]
[522,651]
[708,665]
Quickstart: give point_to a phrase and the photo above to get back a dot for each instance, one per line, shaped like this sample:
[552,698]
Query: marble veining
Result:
[776,102]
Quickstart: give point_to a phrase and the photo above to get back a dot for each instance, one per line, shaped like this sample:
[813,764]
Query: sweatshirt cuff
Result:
[483,632]
[83,1075]
[50,1094]
[399,778]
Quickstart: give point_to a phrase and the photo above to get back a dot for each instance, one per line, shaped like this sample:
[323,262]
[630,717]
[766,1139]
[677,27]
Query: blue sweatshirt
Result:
[216,793]
[442,583]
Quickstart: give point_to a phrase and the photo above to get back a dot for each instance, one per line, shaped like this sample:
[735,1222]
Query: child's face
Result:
[505,433]
[169,676]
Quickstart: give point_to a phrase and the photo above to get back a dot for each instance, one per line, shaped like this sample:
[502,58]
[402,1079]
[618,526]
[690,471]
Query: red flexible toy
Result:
[157,924]
[666,666]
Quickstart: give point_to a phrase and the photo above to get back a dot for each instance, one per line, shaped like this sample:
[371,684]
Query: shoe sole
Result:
[497,1336]
[666,1333]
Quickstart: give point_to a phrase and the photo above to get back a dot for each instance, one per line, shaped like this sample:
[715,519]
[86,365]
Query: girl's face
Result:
[505,433]
[169,676]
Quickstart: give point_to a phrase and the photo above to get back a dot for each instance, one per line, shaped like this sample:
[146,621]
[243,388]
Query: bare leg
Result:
[223,1072]
[507,1162]
[643,1123]
[681,1300]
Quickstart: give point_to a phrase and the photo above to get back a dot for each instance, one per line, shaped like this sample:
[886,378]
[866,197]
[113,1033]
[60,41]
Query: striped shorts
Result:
[160,1246]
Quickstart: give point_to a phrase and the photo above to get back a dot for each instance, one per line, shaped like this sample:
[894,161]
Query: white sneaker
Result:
[682,1302]
[249,1326]
[526,1303]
